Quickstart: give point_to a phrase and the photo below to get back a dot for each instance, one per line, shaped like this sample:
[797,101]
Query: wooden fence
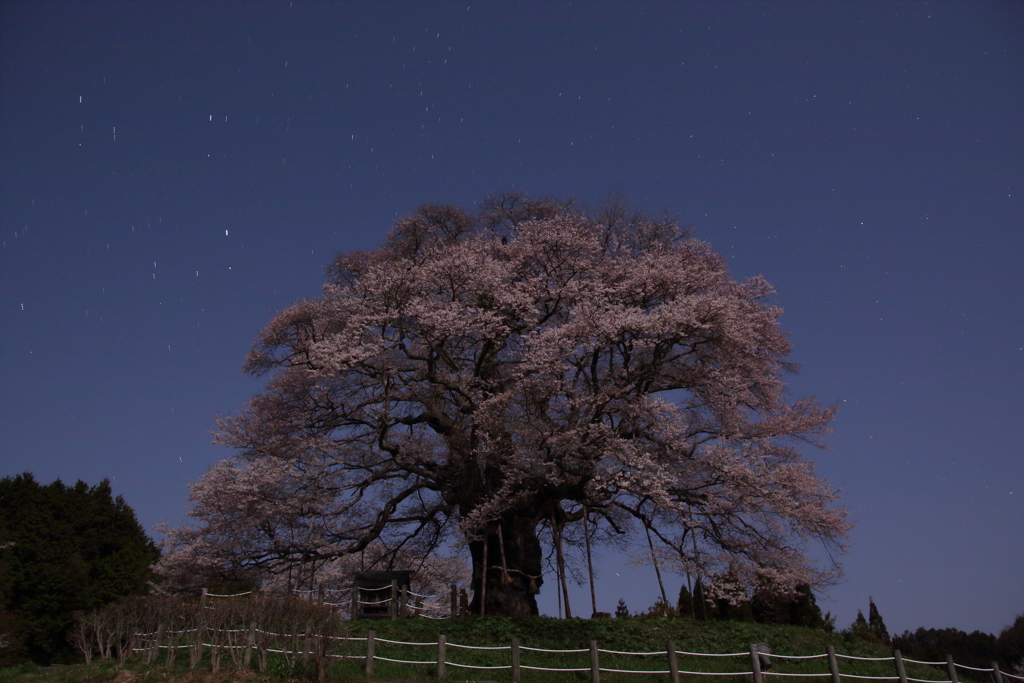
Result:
[757,662]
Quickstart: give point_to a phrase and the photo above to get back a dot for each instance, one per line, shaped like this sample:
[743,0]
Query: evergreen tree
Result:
[1011,643]
[621,610]
[64,548]
[685,607]
[876,625]
[700,601]
[799,609]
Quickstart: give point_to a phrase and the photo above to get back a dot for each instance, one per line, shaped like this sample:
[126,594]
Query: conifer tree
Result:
[876,625]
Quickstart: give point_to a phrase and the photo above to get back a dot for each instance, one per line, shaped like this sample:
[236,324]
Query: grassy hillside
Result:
[633,635]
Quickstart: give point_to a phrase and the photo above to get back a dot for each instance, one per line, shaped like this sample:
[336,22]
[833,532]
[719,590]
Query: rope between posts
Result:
[233,595]
[874,659]
[480,647]
[926,680]
[475,666]
[781,673]
[807,657]
[541,649]
[871,678]
[401,661]
[379,602]
[400,642]
[544,668]
[639,654]
[1019,678]
[964,666]
[713,654]
[713,673]
[915,661]
[632,671]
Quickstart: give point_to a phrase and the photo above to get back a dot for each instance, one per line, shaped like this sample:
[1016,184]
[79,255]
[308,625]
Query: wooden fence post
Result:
[900,670]
[250,643]
[833,664]
[355,603]
[403,603]
[455,602]
[440,657]
[394,599]
[997,675]
[515,660]
[320,594]
[951,669]
[595,668]
[755,663]
[673,663]
[369,652]
[202,598]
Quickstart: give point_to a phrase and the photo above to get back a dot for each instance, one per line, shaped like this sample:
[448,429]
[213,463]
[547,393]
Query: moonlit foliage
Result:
[480,377]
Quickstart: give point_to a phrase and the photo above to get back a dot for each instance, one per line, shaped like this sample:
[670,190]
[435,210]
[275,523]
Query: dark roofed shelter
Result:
[382,590]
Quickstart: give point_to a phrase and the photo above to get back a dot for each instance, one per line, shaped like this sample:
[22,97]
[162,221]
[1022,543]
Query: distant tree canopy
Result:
[764,607]
[63,548]
[977,649]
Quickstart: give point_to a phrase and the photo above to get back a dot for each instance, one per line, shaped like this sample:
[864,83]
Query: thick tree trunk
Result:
[513,573]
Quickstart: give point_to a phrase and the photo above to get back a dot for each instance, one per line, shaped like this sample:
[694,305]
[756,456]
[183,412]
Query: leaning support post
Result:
[673,663]
[483,578]
[951,669]
[833,664]
[320,594]
[354,614]
[455,601]
[997,675]
[394,599]
[369,651]
[403,602]
[515,660]
[755,663]
[440,656]
[900,670]
[595,667]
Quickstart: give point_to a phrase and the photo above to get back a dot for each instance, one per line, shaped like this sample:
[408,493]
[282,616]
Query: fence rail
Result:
[759,658]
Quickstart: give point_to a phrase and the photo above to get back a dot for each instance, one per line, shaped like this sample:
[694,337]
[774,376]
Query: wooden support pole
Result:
[440,657]
[833,664]
[320,594]
[483,577]
[515,660]
[590,563]
[900,670]
[951,669]
[595,667]
[403,603]
[455,601]
[393,605]
[997,675]
[755,663]
[369,652]
[250,644]
[202,598]
[673,663]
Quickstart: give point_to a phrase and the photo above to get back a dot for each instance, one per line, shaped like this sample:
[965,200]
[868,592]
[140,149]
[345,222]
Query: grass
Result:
[632,635]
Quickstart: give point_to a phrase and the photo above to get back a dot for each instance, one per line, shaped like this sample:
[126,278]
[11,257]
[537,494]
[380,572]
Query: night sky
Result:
[173,173]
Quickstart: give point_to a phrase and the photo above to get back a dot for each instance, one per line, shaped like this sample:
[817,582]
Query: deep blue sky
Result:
[171,174]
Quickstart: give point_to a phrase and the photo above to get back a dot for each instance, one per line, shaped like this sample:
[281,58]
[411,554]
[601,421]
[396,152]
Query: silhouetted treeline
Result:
[63,548]
[799,609]
[975,649]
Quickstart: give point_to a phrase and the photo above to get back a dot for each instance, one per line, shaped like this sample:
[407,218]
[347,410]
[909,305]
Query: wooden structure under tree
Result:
[380,595]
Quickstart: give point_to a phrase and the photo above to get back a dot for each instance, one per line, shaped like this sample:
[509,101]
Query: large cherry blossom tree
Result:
[497,379]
